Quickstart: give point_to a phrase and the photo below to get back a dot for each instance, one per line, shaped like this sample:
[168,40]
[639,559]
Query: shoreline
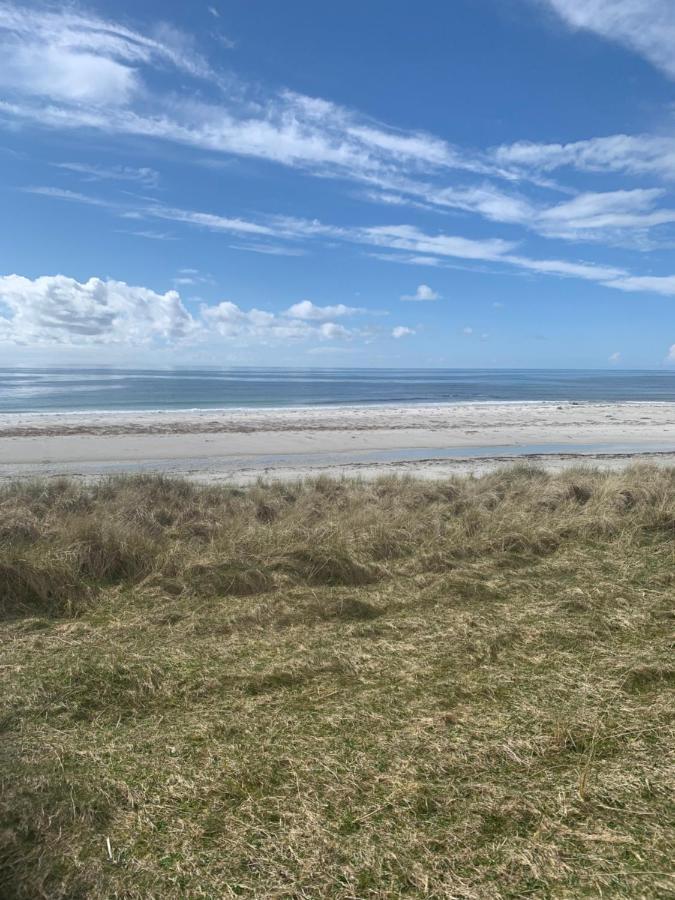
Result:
[428,440]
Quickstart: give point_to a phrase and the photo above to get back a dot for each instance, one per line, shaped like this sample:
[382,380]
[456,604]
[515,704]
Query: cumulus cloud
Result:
[615,357]
[331,331]
[54,309]
[423,292]
[230,321]
[307,310]
[671,354]
[401,331]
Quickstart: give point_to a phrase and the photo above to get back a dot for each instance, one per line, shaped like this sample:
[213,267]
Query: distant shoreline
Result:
[429,440]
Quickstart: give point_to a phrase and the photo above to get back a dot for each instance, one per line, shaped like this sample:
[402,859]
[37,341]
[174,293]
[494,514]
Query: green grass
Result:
[460,689]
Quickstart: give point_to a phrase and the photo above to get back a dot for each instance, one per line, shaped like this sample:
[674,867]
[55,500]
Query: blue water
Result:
[61,390]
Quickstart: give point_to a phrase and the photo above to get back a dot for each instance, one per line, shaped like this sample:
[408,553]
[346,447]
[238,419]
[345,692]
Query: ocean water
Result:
[70,390]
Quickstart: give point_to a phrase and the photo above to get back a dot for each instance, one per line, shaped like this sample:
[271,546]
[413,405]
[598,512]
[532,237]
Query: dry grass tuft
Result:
[335,689]
[228,577]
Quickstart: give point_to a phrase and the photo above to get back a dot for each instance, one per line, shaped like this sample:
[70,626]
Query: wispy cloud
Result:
[269,249]
[655,284]
[645,26]
[641,154]
[404,242]
[64,194]
[97,74]
[192,277]
[92,74]
[150,235]
[143,176]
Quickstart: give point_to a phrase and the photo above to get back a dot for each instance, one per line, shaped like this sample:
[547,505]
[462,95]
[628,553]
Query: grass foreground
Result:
[458,689]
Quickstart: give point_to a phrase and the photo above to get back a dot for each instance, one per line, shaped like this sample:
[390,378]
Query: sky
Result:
[485,183]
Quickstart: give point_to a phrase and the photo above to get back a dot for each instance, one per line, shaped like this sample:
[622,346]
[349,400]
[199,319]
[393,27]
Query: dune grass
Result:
[460,689]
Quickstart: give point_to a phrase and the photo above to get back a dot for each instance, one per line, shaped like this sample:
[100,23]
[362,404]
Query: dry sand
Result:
[430,441]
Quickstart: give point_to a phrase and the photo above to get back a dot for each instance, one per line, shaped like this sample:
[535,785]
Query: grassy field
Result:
[460,689]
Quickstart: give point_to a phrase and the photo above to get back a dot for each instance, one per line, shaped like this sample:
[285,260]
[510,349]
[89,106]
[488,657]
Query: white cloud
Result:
[468,330]
[75,32]
[615,357]
[401,331]
[485,199]
[408,237]
[63,69]
[645,26]
[331,331]
[315,135]
[655,284]
[150,235]
[608,211]
[63,75]
[143,176]
[76,59]
[269,249]
[307,310]
[64,194]
[190,277]
[230,321]
[588,216]
[54,309]
[641,154]
[411,244]
[671,354]
[57,310]
[423,292]
[586,271]
[207,220]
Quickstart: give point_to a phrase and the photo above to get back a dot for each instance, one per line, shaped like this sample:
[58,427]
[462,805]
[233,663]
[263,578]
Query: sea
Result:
[107,389]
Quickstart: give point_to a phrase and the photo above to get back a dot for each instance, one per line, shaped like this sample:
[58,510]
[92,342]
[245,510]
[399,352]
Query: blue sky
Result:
[473,183]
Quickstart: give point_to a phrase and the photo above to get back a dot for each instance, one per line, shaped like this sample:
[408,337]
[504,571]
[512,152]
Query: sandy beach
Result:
[430,441]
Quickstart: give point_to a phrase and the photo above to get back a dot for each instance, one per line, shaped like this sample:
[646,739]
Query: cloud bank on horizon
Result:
[133,135]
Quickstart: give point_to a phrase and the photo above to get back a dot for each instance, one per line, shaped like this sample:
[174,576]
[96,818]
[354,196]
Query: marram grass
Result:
[460,689]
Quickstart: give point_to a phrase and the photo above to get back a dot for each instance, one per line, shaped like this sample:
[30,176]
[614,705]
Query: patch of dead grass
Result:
[332,689]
